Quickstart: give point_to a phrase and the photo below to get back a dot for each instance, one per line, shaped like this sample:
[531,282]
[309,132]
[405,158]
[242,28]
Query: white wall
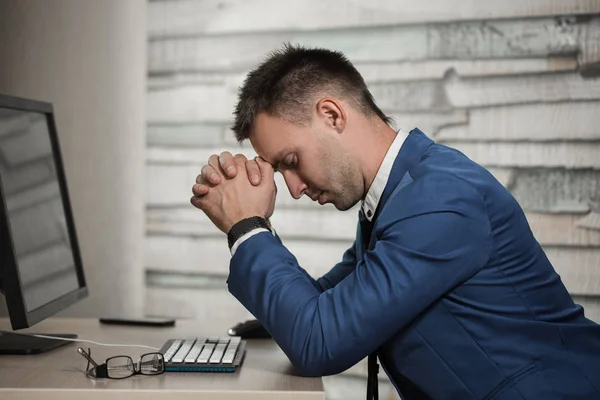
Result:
[88,58]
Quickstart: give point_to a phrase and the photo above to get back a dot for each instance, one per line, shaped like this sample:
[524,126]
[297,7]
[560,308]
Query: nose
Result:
[295,185]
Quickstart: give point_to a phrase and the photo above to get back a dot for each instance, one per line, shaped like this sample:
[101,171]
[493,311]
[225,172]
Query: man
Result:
[445,282]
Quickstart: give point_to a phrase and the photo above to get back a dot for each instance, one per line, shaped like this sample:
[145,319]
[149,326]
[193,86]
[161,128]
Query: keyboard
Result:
[215,354]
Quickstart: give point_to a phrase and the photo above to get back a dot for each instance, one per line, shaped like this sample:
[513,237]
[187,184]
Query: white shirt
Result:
[369,204]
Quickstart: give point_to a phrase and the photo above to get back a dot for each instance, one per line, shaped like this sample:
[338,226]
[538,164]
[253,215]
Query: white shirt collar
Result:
[375,192]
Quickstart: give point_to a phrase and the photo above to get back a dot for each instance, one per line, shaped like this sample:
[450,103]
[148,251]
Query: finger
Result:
[210,175]
[199,190]
[228,165]
[266,170]
[213,161]
[253,171]
[240,160]
[196,202]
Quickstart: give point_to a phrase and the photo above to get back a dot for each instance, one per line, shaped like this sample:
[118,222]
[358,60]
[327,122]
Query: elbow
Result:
[309,369]
[316,366]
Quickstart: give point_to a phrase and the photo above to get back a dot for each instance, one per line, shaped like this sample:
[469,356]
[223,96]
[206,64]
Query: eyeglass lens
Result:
[151,364]
[119,367]
[122,366]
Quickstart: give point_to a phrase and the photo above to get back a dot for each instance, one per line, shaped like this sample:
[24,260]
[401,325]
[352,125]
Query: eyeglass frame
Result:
[101,371]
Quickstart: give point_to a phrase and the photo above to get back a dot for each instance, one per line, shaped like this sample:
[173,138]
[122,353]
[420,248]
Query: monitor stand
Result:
[24,344]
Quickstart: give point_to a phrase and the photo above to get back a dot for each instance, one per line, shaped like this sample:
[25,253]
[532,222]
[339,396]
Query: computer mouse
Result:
[250,329]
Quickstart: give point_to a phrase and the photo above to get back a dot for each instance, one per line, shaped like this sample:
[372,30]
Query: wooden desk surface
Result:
[266,373]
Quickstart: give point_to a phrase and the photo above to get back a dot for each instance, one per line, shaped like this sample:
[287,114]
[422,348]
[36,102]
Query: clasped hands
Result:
[231,188]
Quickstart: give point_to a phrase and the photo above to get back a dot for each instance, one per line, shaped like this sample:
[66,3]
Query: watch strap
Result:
[244,226]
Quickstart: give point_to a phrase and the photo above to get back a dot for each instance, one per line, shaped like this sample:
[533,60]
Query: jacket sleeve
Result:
[340,270]
[418,256]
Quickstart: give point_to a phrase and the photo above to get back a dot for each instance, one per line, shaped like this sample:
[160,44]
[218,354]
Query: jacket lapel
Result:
[410,154]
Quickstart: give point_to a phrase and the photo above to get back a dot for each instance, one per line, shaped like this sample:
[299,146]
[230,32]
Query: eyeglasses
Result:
[120,367]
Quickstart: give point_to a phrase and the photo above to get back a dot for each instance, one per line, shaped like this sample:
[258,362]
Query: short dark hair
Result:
[284,84]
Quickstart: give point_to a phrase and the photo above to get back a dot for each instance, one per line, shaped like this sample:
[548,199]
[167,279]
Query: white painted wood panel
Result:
[589,43]
[314,224]
[185,303]
[467,40]
[530,122]
[318,224]
[211,254]
[590,221]
[436,69]
[191,156]
[579,268]
[208,103]
[185,135]
[530,155]
[188,17]
[558,190]
[562,230]
[505,176]
[516,90]
[386,71]
[214,103]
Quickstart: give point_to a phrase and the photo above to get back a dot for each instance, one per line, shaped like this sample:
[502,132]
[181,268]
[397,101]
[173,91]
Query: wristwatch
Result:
[244,226]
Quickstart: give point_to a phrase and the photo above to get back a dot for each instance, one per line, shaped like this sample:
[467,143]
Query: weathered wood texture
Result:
[540,37]
[214,103]
[192,17]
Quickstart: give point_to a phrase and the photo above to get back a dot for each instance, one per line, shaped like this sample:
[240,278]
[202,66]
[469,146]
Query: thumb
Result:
[266,170]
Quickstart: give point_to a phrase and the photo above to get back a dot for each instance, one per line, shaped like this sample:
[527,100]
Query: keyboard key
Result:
[174,347]
[218,354]
[183,350]
[205,354]
[229,355]
[194,352]
[214,339]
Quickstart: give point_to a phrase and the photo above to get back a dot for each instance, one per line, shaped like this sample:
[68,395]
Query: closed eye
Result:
[290,162]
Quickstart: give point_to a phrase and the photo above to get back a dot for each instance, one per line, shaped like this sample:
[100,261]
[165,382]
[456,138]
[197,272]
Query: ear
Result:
[332,113]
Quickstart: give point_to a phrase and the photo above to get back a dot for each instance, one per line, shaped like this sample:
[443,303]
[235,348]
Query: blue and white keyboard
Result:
[215,354]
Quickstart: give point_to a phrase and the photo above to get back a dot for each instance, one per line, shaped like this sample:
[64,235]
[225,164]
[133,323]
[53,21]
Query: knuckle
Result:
[206,171]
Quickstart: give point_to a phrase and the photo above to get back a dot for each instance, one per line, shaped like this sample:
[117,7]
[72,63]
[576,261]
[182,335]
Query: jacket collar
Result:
[410,154]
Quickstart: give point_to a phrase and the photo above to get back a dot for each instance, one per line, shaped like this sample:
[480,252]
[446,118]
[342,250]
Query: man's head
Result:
[308,113]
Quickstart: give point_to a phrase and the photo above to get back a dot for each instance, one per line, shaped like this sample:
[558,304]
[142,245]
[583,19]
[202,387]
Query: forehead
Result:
[271,135]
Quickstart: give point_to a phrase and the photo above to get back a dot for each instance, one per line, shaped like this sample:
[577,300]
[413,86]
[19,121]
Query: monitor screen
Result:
[36,212]
[34,207]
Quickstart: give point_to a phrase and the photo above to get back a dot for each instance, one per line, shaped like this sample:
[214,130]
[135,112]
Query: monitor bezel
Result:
[10,281]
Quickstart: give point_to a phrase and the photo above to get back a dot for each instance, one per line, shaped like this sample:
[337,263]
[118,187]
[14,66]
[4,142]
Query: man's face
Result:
[312,160]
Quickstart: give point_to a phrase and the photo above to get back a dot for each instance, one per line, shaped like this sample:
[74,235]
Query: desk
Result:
[266,373]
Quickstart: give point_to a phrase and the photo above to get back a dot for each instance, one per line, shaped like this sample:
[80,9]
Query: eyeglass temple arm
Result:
[87,356]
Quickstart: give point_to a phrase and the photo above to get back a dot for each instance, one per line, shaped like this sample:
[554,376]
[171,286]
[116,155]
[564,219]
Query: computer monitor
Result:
[40,265]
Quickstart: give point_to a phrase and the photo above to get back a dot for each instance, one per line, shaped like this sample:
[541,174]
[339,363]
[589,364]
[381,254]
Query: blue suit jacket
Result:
[452,291]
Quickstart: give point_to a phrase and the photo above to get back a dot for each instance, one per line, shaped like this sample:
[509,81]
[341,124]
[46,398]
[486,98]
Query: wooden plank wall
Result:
[513,84]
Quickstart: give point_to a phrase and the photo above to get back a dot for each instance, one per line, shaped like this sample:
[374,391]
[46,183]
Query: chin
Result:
[344,206]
